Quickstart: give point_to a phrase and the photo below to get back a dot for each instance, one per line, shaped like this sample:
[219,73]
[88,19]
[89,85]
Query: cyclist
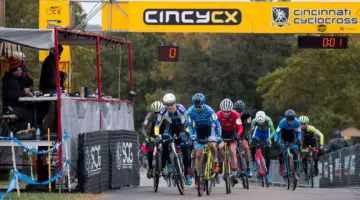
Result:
[151,118]
[231,128]
[288,130]
[176,117]
[310,134]
[202,122]
[239,106]
[263,131]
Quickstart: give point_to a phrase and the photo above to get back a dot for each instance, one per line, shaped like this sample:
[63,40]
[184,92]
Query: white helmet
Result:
[260,117]
[169,99]
[226,105]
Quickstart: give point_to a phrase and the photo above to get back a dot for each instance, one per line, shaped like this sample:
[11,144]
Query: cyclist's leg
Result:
[316,161]
[245,146]
[185,149]
[296,156]
[266,150]
[234,161]
[254,142]
[213,150]
[150,145]
[280,152]
[221,153]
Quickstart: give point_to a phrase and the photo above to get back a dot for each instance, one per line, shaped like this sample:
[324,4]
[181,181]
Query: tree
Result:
[320,83]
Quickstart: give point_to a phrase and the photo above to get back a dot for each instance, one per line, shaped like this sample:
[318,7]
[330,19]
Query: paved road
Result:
[145,192]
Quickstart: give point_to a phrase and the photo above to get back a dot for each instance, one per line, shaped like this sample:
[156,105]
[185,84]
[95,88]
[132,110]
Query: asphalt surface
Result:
[145,192]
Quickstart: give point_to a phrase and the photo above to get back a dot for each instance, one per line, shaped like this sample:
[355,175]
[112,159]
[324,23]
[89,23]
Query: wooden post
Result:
[14,164]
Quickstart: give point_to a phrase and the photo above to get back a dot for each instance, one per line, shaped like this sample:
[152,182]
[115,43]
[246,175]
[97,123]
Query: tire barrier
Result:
[340,168]
[107,160]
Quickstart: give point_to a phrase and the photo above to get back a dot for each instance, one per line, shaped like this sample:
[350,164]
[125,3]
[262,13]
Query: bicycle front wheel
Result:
[157,171]
[179,174]
[200,178]
[244,178]
[227,174]
[311,173]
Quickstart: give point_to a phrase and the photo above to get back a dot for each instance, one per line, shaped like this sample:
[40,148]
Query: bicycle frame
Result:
[258,155]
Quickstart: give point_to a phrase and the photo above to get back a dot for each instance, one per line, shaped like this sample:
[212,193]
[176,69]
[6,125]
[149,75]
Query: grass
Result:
[54,196]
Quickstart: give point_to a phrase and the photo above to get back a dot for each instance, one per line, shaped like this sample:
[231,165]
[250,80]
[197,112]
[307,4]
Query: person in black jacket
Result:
[26,80]
[48,85]
[12,90]
[337,142]
[48,72]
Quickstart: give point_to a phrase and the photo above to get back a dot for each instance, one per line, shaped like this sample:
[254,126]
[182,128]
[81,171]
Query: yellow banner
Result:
[233,17]
[51,14]
[310,17]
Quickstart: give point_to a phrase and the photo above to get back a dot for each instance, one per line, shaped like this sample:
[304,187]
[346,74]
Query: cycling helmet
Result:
[239,106]
[260,117]
[290,113]
[198,99]
[169,99]
[226,105]
[156,106]
[304,119]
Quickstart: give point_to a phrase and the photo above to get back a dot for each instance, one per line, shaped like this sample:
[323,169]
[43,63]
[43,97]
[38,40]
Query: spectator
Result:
[337,142]
[48,72]
[26,80]
[12,90]
[48,85]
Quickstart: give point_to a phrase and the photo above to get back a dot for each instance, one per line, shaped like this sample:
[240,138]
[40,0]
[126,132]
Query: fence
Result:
[340,168]
[107,160]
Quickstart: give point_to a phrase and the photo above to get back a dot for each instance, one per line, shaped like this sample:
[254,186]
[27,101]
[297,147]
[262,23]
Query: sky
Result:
[97,18]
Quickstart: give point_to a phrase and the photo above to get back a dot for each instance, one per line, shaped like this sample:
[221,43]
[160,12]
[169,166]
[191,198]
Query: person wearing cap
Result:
[12,90]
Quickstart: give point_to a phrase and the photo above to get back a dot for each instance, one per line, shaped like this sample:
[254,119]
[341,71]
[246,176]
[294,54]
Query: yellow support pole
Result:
[49,159]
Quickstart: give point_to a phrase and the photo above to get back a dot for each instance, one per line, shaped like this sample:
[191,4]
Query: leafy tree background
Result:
[266,71]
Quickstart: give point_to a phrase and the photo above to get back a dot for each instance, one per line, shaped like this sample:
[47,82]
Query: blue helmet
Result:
[198,99]
[290,113]
[239,106]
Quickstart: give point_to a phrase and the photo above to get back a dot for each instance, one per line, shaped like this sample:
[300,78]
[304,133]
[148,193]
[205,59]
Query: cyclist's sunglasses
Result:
[290,118]
[198,106]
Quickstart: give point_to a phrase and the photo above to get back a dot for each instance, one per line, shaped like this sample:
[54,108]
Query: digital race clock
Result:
[323,42]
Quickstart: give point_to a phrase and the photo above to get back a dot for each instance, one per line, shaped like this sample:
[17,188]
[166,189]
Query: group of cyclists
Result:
[200,122]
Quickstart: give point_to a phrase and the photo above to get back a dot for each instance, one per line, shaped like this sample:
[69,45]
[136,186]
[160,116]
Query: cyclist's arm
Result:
[272,129]
[158,123]
[316,132]
[215,122]
[191,127]
[240,129]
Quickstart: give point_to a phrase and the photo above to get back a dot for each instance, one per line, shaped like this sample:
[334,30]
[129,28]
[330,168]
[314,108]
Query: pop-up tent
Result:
[47,39]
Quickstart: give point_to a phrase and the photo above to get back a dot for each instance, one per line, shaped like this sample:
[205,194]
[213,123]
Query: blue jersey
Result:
[178,117]
[295,125]
[207,117]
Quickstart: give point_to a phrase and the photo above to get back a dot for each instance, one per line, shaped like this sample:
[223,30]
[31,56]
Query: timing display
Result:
[323,42]
[169,53]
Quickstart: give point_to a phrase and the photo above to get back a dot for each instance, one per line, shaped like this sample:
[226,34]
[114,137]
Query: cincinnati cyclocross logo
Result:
[192,16]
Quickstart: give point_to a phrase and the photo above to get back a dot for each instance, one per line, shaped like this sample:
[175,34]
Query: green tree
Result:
[320,83]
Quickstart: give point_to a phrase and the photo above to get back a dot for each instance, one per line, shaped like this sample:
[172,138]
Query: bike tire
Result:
[227,175]
[311,173]
[291,161]
[246,177]
[287,167]
[200,181]
[157,171]
[179,174]
[265,170]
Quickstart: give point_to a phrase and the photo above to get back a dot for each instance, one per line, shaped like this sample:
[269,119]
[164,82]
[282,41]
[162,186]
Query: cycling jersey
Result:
[178,117]
[310,134]
[151,118]
[246,122]
[232,122]
[201,120]
[268,124]
[285,128]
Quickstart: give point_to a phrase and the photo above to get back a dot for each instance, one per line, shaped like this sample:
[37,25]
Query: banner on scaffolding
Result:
[232,17]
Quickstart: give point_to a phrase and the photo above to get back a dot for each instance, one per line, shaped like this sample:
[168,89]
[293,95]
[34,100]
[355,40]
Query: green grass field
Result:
[53,196]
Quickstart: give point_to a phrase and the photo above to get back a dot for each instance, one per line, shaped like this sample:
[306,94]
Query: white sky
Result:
[88,7]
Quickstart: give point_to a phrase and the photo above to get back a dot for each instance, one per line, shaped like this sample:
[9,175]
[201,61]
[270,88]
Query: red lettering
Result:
[172,53]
